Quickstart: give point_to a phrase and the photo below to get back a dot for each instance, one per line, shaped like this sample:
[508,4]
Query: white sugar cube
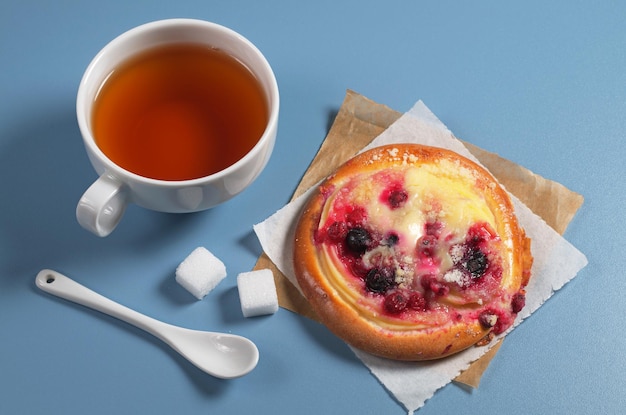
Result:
[257,293]
[200,272]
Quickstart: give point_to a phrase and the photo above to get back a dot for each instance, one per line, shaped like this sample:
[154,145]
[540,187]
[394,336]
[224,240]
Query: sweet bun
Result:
[412,252]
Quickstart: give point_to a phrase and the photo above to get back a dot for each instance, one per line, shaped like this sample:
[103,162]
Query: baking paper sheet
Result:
[556,260]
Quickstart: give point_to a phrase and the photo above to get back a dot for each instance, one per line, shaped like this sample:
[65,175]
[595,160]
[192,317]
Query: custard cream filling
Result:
[436,192]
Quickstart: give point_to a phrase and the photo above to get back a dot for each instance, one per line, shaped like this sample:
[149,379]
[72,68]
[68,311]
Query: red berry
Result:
[356,266]
[430,283]
[440,289]
[396,302]
[433,228]
[356,217]
[426,246]
[518,302]
[394,195]
[337,231]
[417,302]
[478,233]
[397,198]
[488,319]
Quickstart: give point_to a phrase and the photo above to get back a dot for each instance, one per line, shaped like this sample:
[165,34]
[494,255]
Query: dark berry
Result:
[337,231]
[396,302]
[417,302]
[380,280]
[397,198]
[358,240]
[475,262]
[392,239]
[426,246]
[518,302]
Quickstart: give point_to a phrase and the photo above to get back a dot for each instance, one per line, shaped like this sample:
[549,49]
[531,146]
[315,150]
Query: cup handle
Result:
[102,205]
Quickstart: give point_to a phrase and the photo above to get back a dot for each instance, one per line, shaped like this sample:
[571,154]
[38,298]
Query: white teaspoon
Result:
[222,355]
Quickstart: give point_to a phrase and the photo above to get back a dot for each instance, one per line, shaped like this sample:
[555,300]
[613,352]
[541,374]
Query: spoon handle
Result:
[59,285]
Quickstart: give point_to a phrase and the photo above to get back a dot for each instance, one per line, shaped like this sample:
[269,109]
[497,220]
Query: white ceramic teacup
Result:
[103,204]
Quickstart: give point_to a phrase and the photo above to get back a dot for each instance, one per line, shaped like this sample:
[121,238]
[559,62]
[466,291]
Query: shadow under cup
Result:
[103,204]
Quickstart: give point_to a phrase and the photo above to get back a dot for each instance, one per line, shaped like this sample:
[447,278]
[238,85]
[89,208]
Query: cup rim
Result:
[268,133]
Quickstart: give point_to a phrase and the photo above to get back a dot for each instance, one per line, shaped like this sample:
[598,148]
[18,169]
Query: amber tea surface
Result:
[179,112]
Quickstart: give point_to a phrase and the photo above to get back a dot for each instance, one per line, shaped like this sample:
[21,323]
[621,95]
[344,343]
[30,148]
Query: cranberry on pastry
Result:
[412,253]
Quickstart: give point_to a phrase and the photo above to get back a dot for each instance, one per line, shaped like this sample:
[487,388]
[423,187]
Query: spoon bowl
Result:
[222,355]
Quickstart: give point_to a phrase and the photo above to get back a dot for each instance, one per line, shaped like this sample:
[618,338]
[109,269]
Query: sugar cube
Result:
[257,293]
[200,272]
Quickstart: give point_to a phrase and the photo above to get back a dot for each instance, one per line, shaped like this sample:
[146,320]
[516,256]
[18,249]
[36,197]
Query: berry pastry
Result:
[412,253]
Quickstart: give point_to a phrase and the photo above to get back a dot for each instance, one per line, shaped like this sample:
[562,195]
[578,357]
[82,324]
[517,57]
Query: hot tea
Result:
[179,112]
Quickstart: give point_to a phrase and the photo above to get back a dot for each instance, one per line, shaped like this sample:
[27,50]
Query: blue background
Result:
[540,83]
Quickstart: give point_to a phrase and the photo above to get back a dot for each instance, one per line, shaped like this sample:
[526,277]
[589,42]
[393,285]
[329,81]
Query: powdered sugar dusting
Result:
[393,154]
[456,276]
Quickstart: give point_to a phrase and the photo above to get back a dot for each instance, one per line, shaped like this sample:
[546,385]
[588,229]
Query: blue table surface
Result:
[540,83]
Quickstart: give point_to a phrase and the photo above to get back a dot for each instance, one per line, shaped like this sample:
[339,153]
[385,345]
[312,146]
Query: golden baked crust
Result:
[412,253]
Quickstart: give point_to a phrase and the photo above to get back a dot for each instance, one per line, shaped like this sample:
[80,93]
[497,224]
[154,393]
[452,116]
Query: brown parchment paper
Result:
[357,123]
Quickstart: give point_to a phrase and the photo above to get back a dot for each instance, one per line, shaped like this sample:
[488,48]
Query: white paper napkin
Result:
[556,262]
